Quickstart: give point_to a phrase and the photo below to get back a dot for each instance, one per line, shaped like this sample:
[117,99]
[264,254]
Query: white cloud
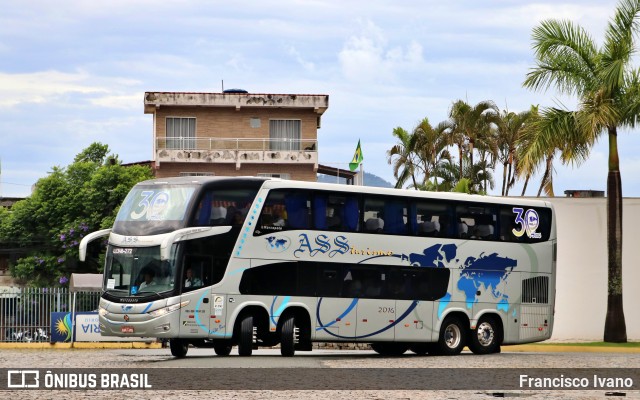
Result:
[59,87]
[126,102]
[40,87]
[307,65]
[367,56]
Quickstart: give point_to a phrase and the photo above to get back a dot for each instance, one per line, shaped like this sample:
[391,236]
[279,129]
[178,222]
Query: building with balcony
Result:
[235,133]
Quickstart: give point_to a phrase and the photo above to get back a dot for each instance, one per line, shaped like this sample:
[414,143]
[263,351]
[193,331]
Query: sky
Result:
[74,72]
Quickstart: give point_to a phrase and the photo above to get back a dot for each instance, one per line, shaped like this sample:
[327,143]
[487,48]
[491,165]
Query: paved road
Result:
[204,358]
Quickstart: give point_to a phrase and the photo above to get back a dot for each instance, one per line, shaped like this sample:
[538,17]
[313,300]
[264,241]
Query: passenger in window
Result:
[218,215]
[278,219]
[149,278]
[190,280]
[238,218]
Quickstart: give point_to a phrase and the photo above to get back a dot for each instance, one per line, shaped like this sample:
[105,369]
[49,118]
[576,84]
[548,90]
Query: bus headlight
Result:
[166,310]
[103,311]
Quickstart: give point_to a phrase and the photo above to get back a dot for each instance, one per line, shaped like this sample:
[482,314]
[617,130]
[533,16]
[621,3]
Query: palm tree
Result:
[510,126]
[450,177]
[403,157]
[540,141]
[609,93]
[473,123]
[431,148]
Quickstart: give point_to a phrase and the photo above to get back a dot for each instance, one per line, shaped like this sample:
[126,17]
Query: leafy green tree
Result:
[64,207]
[608,90]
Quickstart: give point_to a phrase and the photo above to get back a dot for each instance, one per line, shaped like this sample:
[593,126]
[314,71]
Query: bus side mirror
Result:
[88,239]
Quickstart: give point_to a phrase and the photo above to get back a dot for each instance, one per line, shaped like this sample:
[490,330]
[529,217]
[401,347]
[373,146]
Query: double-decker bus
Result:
[249,262]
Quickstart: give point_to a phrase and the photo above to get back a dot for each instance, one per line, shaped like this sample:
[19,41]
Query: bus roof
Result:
[276,183]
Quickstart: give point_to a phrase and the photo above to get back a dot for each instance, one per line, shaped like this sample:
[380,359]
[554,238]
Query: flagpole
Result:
[361,175]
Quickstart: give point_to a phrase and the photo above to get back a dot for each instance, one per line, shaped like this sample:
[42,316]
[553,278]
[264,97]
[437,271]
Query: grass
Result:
[594,344]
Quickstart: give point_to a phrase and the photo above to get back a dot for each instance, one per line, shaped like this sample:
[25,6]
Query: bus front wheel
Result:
[452,336]
[485,339]
[245,339]
[289,337]
[179,347]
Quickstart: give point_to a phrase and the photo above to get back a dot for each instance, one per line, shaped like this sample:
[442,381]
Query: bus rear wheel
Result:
[222,349]
[179,347]
[245,336]
[485,339]
[452,336]
[390,349]
[290,336]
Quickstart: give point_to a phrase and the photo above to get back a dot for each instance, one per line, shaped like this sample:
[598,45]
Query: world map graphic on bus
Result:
[486,272]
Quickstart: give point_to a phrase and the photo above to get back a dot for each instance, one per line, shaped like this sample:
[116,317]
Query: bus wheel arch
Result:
[452,336]
[488,334]
[250,324]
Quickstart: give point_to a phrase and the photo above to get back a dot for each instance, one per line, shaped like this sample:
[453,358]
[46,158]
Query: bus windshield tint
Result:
[151,210]
[137,270]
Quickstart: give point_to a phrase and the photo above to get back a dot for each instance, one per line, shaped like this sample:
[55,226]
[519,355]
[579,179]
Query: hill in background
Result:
[369,180]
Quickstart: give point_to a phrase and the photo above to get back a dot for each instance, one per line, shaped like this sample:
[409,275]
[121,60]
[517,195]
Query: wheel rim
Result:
[452,336]
[485,334]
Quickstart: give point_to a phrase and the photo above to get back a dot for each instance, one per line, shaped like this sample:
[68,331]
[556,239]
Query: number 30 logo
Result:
[529,224]
[152,206]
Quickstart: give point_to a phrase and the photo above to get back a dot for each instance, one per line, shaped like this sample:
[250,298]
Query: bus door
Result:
[196,318]
[376,310]
[336,312]
[413,287]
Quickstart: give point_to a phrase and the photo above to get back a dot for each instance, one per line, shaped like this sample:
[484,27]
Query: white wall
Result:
[581,296]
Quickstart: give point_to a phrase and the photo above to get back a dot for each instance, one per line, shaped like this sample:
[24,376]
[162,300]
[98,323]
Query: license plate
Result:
[126,329]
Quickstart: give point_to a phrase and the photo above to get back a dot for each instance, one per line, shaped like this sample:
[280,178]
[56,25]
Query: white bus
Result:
[218,262]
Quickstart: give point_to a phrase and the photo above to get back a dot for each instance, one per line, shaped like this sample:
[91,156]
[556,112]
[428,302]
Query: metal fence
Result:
[25,314]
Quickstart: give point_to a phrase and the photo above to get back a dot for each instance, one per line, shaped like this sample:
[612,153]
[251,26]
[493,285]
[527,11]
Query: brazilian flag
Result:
[357,158]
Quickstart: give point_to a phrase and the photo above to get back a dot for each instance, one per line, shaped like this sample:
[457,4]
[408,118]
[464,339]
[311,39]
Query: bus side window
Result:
[342,212]
[285,210]
[330,280]
[432,218]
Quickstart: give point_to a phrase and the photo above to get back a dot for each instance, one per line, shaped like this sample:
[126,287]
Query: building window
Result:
[181,133]
[282,175]
[284,134]
[255,122]
[196,174]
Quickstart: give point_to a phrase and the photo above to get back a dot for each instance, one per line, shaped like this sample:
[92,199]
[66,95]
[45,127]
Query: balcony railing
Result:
[232,150]
[185,143]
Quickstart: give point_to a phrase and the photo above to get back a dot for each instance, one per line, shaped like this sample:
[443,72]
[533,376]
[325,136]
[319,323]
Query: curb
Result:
[521,348]
[551,348]
[82,345]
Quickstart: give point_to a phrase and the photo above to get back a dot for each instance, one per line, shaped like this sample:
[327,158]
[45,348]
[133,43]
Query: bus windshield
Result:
[152,210]
[137,270]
